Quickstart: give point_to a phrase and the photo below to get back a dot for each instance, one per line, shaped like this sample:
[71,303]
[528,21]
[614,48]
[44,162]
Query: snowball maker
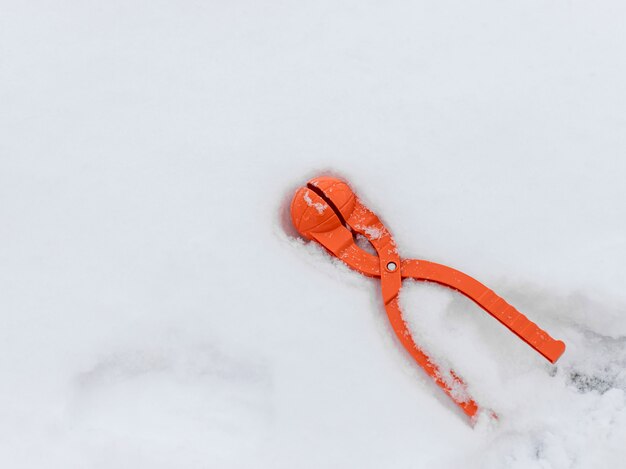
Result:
[328,212]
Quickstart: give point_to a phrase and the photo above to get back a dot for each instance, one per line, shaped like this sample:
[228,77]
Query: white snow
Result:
[156,309]
[371,231]
[319,207]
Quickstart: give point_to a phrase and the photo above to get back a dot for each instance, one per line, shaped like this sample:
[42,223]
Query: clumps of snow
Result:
[320,207]
[548,415]
[363,243]
[372,232]
[457,389]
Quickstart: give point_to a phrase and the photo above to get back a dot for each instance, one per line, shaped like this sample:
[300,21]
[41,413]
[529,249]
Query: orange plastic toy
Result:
[327,211]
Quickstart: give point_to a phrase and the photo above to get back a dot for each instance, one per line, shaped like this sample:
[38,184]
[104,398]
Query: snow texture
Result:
[319,207]
[157,309]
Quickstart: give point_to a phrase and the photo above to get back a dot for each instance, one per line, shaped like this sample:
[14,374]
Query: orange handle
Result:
[453,386]
[515,321]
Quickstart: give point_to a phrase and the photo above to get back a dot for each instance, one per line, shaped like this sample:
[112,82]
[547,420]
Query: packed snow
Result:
[157,308]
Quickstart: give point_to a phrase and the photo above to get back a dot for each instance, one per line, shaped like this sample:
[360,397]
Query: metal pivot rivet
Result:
[391,266]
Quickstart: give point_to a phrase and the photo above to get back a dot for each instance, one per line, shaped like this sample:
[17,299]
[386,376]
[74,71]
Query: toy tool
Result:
[327,211]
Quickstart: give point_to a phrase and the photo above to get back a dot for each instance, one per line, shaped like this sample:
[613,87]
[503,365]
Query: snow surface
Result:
[156,310]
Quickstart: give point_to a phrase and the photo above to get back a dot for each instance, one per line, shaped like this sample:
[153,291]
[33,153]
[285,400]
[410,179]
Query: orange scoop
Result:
[328,212]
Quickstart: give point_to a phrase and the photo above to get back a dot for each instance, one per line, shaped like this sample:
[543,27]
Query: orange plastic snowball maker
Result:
[328,212]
